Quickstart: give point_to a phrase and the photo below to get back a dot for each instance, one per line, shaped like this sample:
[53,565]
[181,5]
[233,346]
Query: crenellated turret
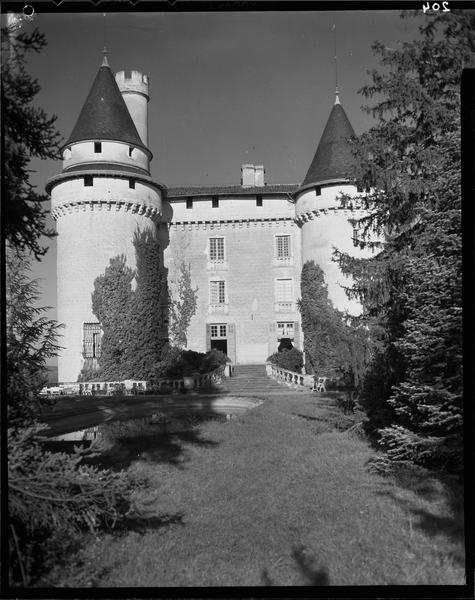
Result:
[325,224]
[134,90]
[102,197]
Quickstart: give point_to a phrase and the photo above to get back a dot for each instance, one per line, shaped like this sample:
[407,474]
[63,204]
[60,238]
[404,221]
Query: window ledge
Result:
[288,261]
[284,307]
[217,265]
[218,308]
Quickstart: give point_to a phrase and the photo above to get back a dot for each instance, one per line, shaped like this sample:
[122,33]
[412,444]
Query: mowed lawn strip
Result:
[270,498]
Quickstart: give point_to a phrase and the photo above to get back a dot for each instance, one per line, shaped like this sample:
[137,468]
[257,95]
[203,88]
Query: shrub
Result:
[53,494]
[176,363]
[292,360]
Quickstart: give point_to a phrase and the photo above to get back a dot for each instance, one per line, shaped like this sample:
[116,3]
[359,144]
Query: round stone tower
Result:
[325,225]
[103,196]
[134,90]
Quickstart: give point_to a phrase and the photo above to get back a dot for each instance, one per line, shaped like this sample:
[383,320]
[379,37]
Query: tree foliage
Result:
[50,494]
[53,493]
[112,305]
[132,320]
[411,291]
[31,340]
[28,132]
[333,347]
[182,306]
[147,333]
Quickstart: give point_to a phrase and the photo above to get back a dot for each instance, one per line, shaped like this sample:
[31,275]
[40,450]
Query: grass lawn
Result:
[277,496]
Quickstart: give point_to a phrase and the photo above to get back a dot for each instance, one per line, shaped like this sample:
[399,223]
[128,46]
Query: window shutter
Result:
[208,337]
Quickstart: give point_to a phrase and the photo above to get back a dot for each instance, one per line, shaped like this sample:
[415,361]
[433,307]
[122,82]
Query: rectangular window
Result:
[218,330]
[131,149]
[259,200]
[88,180]
[283,290]
[217,292]
[282,246]
[215,202]
[216,249]
[97,147]
[91,340]
[285,330]
[132,184]
[318,190]
[189,202]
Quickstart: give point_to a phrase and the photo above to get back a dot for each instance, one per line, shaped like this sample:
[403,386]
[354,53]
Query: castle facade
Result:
[244,244]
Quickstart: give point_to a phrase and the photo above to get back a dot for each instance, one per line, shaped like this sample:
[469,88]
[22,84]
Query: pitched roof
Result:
[234,190]
[333,157]
[105,115]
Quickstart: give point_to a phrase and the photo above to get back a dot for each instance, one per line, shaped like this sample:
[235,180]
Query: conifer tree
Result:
[51,495]
[411,291]
[334,346]
[28,132]
[112,305]
[31,340]
[146,326]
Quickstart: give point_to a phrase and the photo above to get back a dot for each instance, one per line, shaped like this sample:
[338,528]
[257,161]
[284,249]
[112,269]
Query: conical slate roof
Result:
[333,157]
[105,115]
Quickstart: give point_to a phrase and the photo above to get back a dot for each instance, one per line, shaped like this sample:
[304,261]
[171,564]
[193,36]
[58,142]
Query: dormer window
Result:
[97,147]
[132,184]
[215,202]
[189,202]
[88,180]
[318,190]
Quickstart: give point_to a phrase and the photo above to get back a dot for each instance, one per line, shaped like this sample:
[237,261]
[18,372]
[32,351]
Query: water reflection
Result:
[158,423]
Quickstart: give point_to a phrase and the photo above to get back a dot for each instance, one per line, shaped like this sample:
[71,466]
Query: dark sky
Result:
[226,88]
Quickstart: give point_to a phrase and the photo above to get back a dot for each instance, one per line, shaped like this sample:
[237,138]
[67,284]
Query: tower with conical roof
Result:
[325,225]
[102,197]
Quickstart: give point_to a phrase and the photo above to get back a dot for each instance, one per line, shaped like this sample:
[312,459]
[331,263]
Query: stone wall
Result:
[249,269]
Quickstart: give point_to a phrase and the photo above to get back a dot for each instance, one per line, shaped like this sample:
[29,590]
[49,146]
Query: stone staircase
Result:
[252,380]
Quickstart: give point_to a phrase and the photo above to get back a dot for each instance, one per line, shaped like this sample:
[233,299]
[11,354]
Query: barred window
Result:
[283,246]
[216,249]
[283,290]
[92,340]
[217,292]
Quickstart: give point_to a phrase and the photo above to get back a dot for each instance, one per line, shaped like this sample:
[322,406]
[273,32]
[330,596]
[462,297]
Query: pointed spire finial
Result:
[105,62]
[337,99]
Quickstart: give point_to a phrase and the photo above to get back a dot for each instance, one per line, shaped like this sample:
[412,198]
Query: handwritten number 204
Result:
[436,6]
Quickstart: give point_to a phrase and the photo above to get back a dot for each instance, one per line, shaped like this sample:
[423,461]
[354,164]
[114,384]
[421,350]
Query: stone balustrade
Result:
[289,378]
[193,381]
[129,386]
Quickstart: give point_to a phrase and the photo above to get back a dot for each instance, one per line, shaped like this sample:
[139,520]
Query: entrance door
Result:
[217,334]
[220,345]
